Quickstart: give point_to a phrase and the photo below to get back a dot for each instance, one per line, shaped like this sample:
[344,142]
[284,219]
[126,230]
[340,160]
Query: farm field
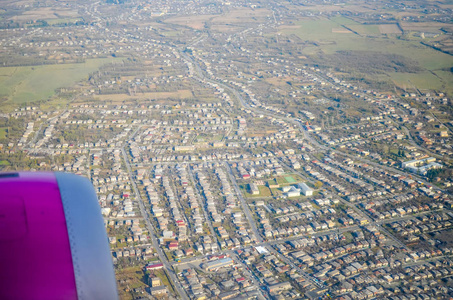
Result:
[64,20]
[365,29]
[427,27]
[329,37]
[242,15]
[389,29]
[47,14]
[423,80]
[195,22]
[237,19]
[34,83]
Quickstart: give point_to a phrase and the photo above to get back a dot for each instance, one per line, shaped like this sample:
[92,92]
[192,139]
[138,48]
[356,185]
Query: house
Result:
[157,266]
[157,211]
[219,263]
[154,281]
[173,245]
[158,290]
[188,251]
[227,295]
[278,287]
[254,189]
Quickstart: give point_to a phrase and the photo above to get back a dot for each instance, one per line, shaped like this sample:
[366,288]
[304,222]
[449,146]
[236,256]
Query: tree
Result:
[318,184]
[433,173]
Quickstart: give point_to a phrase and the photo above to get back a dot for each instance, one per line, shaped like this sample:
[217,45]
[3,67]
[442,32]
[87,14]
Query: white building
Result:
[305,189]
[293,192]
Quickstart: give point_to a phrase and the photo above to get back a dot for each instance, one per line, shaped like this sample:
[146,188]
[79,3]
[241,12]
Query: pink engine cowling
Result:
[53,243]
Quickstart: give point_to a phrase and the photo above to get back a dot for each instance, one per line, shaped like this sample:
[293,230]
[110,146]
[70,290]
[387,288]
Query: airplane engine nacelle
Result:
[53,243]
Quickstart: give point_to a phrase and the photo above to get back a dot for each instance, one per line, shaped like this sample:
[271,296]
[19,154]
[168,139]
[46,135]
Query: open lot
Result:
[46,13]
[242,15]
[233,20]
[128,279]
[426,27]
[195,22]
[278,81]
[389,29]
[365,29]
[264,191]
[323,33]
[238,19]
[3,132]
[422,80]
[181,94]
[25,84]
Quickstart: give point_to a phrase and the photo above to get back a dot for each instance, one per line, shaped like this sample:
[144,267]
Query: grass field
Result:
[236,19]
[328,37]
[46,13]
[389,29]
[28,84]
[195,22]
[278,81]
[181,94]
[423,80]
[328,41]
[365,29]
[3,132]
[432,27]
[134,277]
[243,15]
[322,32]
[64,20]
[264,191]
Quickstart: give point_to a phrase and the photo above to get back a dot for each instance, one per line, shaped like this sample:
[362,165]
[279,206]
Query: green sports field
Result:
[290,179]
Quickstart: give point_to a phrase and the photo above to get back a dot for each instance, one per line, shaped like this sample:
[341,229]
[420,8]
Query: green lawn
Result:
[27,84]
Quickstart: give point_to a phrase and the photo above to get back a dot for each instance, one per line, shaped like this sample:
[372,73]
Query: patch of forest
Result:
[371,62]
